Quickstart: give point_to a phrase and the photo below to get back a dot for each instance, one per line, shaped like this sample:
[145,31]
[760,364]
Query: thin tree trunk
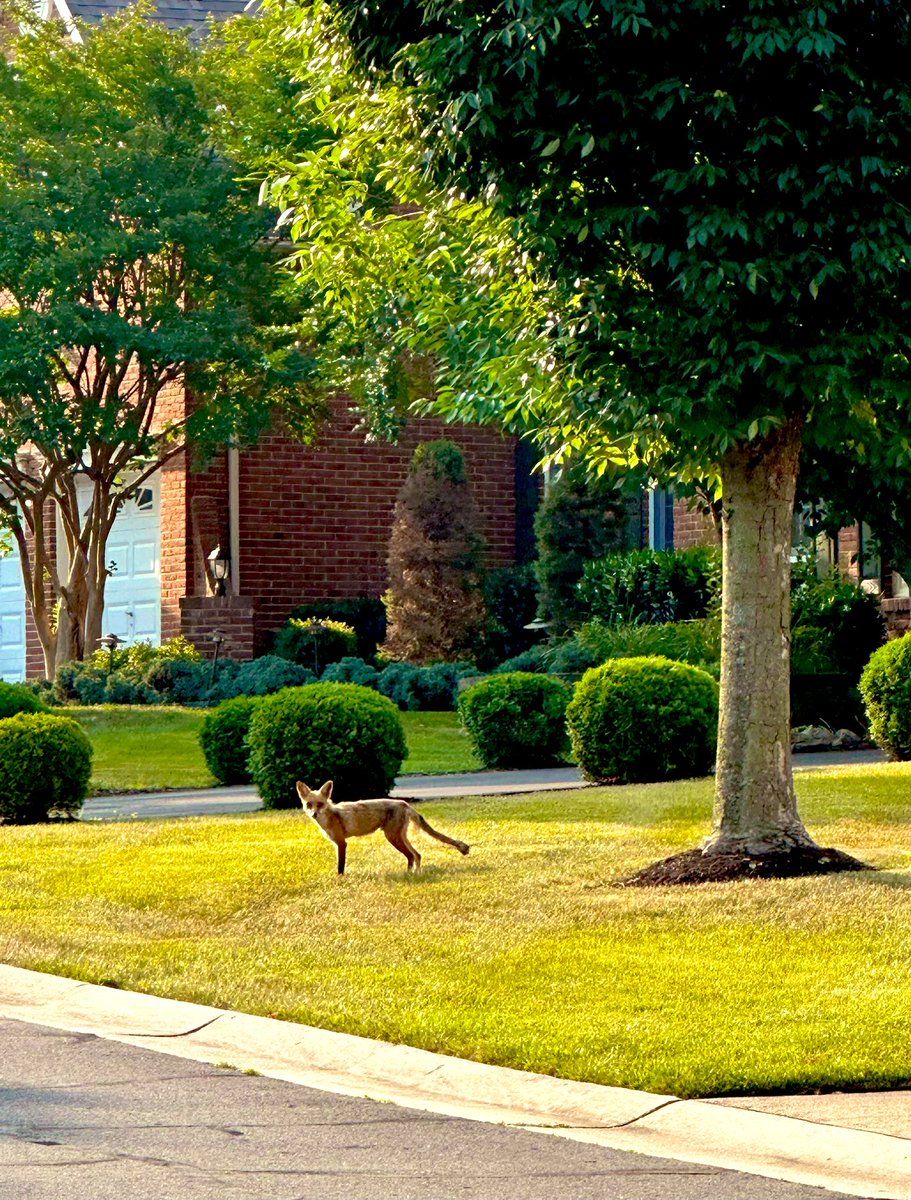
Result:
[755,804]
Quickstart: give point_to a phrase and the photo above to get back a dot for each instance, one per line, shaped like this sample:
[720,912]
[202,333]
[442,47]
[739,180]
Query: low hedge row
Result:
[183,681]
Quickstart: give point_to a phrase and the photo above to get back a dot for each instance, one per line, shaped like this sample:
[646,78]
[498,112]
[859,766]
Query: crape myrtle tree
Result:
[132,263]
[717,196]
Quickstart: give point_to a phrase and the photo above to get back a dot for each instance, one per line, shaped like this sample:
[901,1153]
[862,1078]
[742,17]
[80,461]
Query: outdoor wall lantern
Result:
[219,564]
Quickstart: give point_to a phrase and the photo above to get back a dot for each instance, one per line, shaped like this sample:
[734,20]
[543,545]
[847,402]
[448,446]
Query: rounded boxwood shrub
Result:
[637,720]
[517,720]
[337,731]
[18,698]
[223,738]
[45,764]
[886,690]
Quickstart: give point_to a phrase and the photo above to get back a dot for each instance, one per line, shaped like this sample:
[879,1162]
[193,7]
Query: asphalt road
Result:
[211,801]
[85,1117]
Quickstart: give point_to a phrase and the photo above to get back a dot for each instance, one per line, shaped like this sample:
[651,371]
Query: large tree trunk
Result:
[755,804]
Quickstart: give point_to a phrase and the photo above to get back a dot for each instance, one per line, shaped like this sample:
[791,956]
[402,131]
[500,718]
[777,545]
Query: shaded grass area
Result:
[144,749]
[525,953]
[157,748]
[437,745]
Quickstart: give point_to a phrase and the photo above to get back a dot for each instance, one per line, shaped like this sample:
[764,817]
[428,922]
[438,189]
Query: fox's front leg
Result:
[342,847]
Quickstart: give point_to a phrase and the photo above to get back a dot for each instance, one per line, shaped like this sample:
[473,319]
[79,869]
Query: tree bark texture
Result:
[755,804]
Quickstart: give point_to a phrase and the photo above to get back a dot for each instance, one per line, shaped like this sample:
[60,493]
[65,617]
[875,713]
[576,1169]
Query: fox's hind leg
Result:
[396,837]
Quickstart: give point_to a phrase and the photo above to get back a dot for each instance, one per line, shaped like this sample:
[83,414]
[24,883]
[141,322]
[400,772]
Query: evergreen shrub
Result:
[18,698]
[534,659]
[314,643]
[885,687]
[435,602]
[121,688]
[45,765]
[580,518]
[180,681]
[511,599]
[396,681]
[639,720]
[841,622]
[652,586]
[337,731]
[424,689]
[351,670]
[223,738]
[697,642]
[136,659]
[365,614]
[268,674]
[517,720]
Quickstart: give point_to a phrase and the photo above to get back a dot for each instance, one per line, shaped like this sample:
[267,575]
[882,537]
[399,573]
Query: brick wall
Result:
[315,520]
[232,616]
[692,527]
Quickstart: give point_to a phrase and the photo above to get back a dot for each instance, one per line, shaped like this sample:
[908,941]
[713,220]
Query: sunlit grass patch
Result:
[525,953]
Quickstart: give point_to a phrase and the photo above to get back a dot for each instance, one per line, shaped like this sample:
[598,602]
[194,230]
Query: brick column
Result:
[231,615]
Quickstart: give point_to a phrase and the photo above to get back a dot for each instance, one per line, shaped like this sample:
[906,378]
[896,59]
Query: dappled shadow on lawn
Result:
[432,873]
[899,880]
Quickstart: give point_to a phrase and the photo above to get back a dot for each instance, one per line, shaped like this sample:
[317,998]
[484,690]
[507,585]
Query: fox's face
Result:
[314,802]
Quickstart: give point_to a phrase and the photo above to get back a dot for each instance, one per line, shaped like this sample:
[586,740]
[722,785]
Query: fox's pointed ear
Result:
[326,789]
[302,791]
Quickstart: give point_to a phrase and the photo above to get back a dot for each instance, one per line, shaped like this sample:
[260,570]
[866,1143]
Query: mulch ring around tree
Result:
[696,867]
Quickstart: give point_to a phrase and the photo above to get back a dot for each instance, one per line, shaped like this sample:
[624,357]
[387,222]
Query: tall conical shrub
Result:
[435,606]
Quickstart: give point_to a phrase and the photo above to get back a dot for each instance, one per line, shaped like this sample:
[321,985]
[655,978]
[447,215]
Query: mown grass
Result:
[144,749]
[153,749]
[525,953]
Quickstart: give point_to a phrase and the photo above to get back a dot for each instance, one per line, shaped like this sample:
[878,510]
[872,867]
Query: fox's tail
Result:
[424,824]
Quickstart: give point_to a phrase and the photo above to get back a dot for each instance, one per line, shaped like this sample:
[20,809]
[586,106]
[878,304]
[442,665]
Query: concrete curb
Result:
[852,1161]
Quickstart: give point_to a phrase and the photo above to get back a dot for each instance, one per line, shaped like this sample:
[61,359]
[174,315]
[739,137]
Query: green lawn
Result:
[151,749]
[524,953]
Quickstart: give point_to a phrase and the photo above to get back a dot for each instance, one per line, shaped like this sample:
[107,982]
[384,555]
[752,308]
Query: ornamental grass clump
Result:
[339,731]
[886,690]
[640,720]
[223,738]
[517,720]
[45,765]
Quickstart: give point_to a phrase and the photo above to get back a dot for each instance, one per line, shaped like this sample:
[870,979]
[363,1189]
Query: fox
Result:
[338,822]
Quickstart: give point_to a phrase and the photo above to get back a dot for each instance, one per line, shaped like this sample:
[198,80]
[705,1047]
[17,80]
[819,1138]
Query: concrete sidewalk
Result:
[857,1145]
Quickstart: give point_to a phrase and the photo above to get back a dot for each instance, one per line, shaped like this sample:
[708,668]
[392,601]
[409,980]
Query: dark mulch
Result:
[696,867]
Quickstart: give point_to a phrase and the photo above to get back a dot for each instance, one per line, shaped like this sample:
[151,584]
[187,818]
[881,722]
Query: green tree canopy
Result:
[132,265]
[715,198]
